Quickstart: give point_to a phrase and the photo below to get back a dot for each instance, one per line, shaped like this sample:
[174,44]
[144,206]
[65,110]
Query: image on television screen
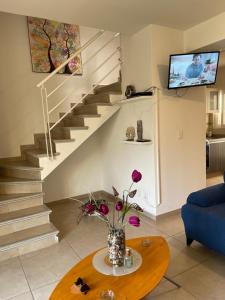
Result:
[194,69]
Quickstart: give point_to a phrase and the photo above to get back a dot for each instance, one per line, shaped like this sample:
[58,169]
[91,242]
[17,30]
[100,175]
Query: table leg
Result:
[173,282]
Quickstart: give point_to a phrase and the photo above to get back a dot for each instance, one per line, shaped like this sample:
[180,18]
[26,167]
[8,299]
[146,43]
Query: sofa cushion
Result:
[210,196]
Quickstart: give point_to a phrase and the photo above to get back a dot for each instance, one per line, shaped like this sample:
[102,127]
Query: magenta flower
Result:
[104,209]
[136,176]
[119,205]
[134,221]
[89,208]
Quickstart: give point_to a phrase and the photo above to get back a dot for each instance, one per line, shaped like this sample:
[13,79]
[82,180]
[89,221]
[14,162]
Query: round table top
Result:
[133,286]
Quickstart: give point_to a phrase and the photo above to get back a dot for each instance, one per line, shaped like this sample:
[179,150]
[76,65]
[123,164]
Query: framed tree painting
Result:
[52,43]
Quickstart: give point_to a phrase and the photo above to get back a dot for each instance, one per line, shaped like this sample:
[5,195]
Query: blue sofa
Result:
[204,217]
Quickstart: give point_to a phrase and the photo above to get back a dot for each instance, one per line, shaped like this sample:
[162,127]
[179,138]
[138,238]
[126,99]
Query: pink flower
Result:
[89,208]
[136,176]
[104,209]
[134,221]
[119,205]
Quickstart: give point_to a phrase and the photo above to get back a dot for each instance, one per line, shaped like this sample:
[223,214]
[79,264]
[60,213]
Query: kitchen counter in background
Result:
[215,154]
[215,139]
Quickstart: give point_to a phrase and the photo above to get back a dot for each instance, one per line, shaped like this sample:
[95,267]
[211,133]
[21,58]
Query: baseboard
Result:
[109,197]
[168,214]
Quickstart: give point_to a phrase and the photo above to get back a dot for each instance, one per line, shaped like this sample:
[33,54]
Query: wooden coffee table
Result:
[133,286]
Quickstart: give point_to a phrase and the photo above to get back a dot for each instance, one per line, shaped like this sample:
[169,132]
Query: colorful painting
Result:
[52,43]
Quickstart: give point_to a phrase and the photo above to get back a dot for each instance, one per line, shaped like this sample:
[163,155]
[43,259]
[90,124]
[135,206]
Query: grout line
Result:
[75,252]
[21,264]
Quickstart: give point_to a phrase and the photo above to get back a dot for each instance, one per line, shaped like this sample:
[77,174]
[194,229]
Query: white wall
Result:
[182,158]
[205,33]
[80,173]
[120,159]
[20,106]
[136,55]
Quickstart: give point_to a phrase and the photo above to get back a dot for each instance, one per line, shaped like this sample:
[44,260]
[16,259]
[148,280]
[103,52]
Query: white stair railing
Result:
[45,95]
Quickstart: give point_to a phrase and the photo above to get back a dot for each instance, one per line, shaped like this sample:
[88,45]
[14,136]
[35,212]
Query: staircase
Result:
[24,219]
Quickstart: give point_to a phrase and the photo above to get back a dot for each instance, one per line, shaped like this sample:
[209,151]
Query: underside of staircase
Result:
[24,218]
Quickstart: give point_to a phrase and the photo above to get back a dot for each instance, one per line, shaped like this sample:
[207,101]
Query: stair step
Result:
[88,116]
[13,202]
[27,240]
[97,98]
[20,169]
[64,141]
[13,185]
[22,219]
[89,108]
[114,88]
[76,128]
[34,155]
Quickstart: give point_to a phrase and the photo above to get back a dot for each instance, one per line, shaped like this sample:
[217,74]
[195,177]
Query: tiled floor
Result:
[200,271]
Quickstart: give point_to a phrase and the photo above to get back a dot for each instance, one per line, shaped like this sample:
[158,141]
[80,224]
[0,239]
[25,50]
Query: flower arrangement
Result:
[100,208]
[115,221]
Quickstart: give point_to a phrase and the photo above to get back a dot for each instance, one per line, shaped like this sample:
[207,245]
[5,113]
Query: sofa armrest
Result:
[210,196]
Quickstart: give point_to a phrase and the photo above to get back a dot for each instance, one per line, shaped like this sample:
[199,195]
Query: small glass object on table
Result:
[107,295]
[110,295]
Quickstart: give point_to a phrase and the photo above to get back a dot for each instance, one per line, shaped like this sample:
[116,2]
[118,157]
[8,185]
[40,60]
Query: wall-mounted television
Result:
[193,69]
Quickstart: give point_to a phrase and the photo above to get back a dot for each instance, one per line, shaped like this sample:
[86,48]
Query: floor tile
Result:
[171,224]
[201,249]
[88,236]
[44,292]
[182,257]
[171,294]
[12,279]
[206,281]
[26,296]
[48,265]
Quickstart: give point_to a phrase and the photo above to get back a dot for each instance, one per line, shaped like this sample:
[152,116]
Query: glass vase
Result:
[116,246]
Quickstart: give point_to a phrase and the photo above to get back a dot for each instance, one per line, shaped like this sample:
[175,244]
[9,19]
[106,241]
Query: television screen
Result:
[186,70]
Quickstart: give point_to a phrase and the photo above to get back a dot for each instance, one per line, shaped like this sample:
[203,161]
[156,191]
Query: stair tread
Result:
[20,164]
[88,115]
[14,197]
[10,217]
[5,179]
[76,127]
[40,153]
[99,104]
[14,239]
[63,140]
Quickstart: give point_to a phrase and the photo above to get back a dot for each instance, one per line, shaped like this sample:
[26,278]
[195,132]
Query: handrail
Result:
[102,64]
[69,111]
[83,64]
[48,126]
[97,35]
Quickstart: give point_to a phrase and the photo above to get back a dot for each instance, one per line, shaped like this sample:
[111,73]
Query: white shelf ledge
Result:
[135,99]
[137,143]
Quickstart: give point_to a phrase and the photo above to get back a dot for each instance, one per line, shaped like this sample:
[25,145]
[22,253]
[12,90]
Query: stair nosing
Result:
[18,199]
[31,181]
[28,168]
[55,231]
[40,155]
[88,115]
[76,127]
[23,218]
[60,141]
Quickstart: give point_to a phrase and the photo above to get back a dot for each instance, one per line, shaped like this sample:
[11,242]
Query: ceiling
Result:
[126,16]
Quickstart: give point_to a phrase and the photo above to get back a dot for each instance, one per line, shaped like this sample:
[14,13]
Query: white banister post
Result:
[48,123]
[44,116]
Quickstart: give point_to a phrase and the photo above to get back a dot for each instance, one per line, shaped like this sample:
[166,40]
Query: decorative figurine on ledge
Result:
[130,133]
[140,132]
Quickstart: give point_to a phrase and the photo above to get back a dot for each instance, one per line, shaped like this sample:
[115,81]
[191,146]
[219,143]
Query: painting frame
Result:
[51,44]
